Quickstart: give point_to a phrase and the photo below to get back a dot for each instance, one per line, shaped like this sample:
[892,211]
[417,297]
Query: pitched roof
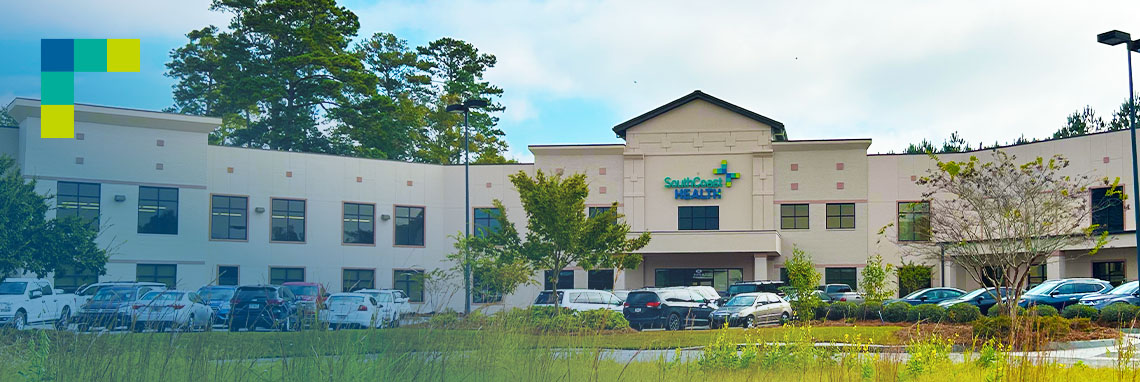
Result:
[778,133]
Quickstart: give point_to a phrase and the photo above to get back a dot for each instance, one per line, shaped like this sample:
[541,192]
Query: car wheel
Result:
[748,322]
[64,319]
[715,325]
[784,318]
[636,327]
[20,322]
[189,326]
[674,322]
[233,328]
[136,327]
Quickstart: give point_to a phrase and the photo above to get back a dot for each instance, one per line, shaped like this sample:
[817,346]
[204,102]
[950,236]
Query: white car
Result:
[25,301]
[357,310]
[581,299]
[402,302]
[168,309]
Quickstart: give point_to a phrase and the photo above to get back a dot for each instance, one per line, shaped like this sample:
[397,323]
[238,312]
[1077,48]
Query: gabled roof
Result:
[778,133]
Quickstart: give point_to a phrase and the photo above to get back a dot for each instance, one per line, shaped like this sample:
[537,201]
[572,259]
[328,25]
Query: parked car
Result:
[264,306]
[580,299]
[823,297]
[84,293]
[1128,293]
[170,309]
[841,292]
[310,298]
[402,302]
[928,296]
[621,294]
[110,307]
[218,297]
[1062,293]
[25,301]
[983,298]
[749,309]
[359,310]
[669,308]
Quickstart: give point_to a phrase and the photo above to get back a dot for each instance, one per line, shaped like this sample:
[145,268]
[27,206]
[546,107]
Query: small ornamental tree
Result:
[875,284]
[913,277]
[802,282]
[559,232]
[494,272]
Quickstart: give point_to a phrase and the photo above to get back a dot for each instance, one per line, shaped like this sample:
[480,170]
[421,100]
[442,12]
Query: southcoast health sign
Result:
[697,188]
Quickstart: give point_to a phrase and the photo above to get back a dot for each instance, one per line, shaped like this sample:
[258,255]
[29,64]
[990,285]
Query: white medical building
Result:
[187,213]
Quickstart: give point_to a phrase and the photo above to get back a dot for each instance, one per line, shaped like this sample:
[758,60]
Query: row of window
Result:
[602,279]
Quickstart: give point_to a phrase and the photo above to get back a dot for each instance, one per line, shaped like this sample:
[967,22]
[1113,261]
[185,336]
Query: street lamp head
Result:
[475,103]
[1113,37]
[456,108]
[1135,46]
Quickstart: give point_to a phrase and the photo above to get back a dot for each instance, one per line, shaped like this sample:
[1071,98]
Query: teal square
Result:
[57,88]
[91,55]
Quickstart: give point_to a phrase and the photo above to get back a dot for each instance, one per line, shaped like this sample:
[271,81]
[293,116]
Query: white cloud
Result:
[895,71]
[107,18]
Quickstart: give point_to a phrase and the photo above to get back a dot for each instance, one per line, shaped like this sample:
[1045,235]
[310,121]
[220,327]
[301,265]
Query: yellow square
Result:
[123,55]
[57,121]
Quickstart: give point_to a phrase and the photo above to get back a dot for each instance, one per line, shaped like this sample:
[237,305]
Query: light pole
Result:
[1115,37]
[465,108]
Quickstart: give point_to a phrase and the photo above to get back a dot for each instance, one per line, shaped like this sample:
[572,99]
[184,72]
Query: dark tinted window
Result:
[698,218]
[158,210]
[227,275]
[486,221]
[255,293]
[284,275]
[637,298]
[228,217]
[794,216]
[78,199]
[409,225]
[157,273]
[914,221]
[600,279]
[359,223]
[1108,210]
[844,275]
[69,279]
[411,282]
[355,279]
[546,298]
[565,279]
[288,220]
[1111,271]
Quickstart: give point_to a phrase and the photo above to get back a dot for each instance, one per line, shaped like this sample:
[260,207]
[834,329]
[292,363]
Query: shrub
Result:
[1117,314]
[1050,326]
[896,311]
[445,319]
[842,310]
[1041,311]
[603,319]
[998,310]
[1079,311]
[927,313]
[821,311]
[993,327]
[869,311]
[1082,324]
[962,313]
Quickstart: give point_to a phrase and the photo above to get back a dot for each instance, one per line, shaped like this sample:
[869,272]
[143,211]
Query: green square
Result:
[91,55]
[57,88]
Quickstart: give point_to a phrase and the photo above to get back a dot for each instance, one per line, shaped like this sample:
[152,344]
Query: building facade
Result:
[723,191]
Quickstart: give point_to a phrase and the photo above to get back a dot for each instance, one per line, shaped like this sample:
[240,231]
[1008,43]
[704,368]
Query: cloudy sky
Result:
[893,71]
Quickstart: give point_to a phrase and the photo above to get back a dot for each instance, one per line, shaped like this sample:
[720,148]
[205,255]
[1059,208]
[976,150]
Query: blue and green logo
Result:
[60,59]
[697,188]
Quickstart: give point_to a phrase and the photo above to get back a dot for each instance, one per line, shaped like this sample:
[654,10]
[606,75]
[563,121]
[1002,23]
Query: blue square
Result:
[57,55]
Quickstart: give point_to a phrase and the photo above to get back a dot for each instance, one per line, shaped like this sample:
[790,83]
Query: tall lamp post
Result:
[465,108]
[1115,37]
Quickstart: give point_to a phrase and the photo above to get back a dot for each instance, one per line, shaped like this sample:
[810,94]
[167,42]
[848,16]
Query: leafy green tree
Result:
[280,68]
[496,272]
[456,69]
[32,243]
[874,284]
[6,119]
[559,232]
[913,276]
[802,282]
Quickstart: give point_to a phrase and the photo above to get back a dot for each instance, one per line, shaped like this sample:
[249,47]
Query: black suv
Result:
[672,309]
[266,306]
[766,286]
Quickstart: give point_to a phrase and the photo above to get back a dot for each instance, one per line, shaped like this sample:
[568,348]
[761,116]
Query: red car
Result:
[311,295]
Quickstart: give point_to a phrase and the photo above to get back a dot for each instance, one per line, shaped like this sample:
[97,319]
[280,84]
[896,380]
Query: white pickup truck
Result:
[25,301]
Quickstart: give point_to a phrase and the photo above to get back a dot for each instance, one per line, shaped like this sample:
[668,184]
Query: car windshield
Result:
[303,290]
[114,294]
[90,291]
[742,288]
[914,295]
[1044,288]
[385,298]
[1126,288]
[741,301]
[978,292]
[255,293]
[546,298]
[216,294]
[12,287]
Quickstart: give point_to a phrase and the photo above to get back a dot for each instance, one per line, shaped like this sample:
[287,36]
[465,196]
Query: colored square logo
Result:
[60,59]
[57,55]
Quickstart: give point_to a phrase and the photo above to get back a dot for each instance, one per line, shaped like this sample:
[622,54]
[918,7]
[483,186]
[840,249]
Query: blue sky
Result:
[894,71]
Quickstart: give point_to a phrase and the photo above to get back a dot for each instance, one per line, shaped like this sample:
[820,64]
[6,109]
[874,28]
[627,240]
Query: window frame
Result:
[304,274]
[218,274]
[304,220]
[344,216]
[590,275]
[475,220]
[1123,271]
[344,280]
[796,216]
[827,216]
[155,276]
[899,220]
[158,193]
[210,217]
[1119,204]
[396,283]
[704,219]
[59,196]
[854,279]
[546,274]
[396,230]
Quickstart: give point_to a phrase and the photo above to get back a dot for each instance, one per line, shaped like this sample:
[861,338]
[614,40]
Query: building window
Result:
[1111,271]
[565,279]
[698,218]
[840,215]
[784,275]
[68,279]
[845,275]
[227,275]
[793,216]
[158,210]
[228,218]
[359,223]
[914,221]
[1108,211]
[411,282]
[482,294]
[157,273]
[486,221]
[1037,274]
[595,211]
[78,199]
[357,279]
[718,278]
[410,226]
[278,276]
[288,220]
[600,279]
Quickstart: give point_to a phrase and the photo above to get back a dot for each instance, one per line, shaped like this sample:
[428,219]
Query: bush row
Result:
[1116,314]
[534,319]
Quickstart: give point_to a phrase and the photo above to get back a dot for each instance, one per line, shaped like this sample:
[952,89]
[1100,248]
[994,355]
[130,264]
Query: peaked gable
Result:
[778,132]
